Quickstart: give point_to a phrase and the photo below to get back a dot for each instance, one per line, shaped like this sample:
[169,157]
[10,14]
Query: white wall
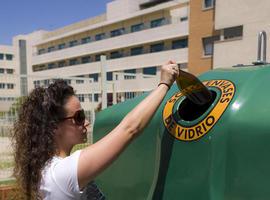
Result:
[254,16]
[120,8]
[9,64]
[242,51]
[236,12]
[8,78]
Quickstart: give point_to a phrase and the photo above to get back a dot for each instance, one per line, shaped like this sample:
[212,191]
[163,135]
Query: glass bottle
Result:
[193,88]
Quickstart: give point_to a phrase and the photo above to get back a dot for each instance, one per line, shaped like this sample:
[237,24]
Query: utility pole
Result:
[103,81]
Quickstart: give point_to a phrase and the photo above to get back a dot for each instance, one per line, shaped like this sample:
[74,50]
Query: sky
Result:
[25,16]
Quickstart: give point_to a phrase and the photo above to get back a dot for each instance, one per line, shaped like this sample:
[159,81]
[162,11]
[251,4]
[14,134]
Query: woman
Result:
[51,122]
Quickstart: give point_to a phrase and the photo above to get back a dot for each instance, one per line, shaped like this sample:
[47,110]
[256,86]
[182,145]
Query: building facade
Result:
[9,87]
[118,54]
[136,38]
[239,23]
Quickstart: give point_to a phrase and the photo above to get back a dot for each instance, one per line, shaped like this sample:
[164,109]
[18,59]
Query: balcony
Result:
[123,41]
[8,63]
[118,64]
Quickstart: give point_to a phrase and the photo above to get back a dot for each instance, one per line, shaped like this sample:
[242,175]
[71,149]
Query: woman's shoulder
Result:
[62,173]
[57,162]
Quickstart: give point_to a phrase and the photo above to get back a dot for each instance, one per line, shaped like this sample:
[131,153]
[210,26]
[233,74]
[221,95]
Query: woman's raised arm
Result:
[95,158]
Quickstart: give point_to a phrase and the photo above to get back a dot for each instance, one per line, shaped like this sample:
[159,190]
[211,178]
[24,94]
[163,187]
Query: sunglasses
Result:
[78,117]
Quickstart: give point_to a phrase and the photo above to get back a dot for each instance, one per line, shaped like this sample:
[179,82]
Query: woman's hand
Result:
[169,72]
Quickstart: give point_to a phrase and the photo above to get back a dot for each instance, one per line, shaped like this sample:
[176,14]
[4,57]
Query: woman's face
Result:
[69,132]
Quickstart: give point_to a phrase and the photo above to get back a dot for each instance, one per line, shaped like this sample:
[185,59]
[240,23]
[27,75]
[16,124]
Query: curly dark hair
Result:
[33,134]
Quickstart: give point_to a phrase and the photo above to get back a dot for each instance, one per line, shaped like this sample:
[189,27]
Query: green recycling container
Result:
[217,152]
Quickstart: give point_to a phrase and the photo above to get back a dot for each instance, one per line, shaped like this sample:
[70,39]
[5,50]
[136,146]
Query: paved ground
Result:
[6,158]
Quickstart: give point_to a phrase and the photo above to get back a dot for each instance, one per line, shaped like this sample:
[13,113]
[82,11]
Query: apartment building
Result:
[118,54]
[9,89]
[136,38]
[201,35]
[223,34]
[239,23]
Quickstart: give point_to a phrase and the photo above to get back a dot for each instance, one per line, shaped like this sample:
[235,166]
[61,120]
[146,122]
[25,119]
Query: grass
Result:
[6,164]
[7,182]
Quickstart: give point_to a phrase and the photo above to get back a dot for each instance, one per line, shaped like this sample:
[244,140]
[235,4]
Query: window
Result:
[109,76]
[150,70]
[97,57]
[157,22]
[68,81]
[89,97]
[2,85]
[233,32]
[51,66]
[10,85]
[157,47]
[129,95]
[208,45]
[86,59]
[96,96]
[137,27]
[86,40]
[109,99]
[11,99]
[115,54]
[130,71]
[61,64]
[79,81]
[1,56]
[61,46]
[136,51]
[185,18]
[46,82]
[80,97]
[41,51]
[9,56]
[50,49]
[42,67]
[100,36]
[94,76]
[178,44]
[36,84]
[10,71]
[208,3]
[127,77]
[2,71]
[73,61]
[36,68]
[73,43]
[117,32]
